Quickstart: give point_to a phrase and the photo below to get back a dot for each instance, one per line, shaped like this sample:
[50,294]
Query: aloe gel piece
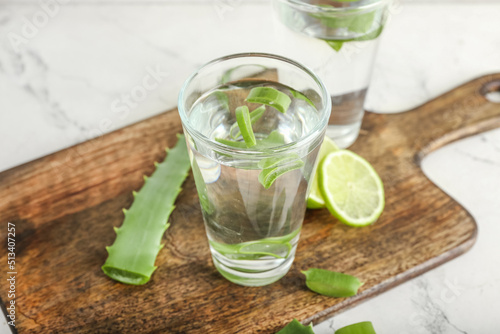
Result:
[295,327]
[331,283]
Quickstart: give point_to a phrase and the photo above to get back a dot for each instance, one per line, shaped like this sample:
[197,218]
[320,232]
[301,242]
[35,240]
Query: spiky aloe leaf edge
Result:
[132,256]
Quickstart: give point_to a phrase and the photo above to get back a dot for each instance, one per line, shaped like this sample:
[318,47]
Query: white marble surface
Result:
[71,79]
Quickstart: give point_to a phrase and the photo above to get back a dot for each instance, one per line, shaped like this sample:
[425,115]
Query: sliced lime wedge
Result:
[315,199]
[245,125]
[270,97]
[352,190]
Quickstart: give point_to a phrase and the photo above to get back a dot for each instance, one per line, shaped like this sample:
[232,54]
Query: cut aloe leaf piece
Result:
[245,125]
[300,96]
[274,139]
[232,143]
[295,327]
[331,283]
[270,97]
[272,168]
[274,249]
[201,187]
[252,69]
[364,327]
[222,98]
[337,44]
[359,23]
[278,247]
[255,115]
[277,161]
[132,256]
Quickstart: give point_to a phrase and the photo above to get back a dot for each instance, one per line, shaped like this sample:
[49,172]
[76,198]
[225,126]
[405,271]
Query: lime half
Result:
[352,190]
[315,199]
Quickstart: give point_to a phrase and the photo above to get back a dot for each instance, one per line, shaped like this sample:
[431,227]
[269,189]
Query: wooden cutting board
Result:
[64,207]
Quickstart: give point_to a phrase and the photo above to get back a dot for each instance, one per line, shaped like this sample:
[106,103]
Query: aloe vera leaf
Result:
[201,188]
[132,256]
[270,97]
[337,44]
[250,249]
[255,115]
[354,22]
[267,249]
[277,166]
[222,98]
[232,143]
[331,283]
[295,327]
[273,162]
[358,23]
[364,327]
[243,119]
[272,140]
[226,77]
[301,96]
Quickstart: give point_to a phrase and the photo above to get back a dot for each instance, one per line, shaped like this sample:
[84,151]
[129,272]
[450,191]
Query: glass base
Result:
[253,272]
[343,135]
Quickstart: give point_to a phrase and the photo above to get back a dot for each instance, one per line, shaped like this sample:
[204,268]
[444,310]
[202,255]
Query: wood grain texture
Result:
[65,206]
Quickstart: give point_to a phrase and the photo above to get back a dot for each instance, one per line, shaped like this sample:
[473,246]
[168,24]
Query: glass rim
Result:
[318,128]
[304,6]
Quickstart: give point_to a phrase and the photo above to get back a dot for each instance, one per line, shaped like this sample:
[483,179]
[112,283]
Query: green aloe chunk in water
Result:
[270,97]
[360,23]
[245,125]
[300,96]
[274,167]
[278,247]
[255,115]
[274,139]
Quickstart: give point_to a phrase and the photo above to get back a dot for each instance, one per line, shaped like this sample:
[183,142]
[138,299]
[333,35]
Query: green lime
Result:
[352,190]
[315,199]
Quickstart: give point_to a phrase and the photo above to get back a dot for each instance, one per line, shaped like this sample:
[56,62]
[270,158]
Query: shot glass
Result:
[338,41]
[253,199]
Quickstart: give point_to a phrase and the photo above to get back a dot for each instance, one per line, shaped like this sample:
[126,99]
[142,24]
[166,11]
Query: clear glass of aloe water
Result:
[253,198]
[338,41]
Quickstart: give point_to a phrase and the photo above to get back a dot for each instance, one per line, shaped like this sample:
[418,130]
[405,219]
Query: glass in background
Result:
[338,41]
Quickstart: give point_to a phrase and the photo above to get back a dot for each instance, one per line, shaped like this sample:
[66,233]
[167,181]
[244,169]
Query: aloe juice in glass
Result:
[253,196]
[338,41]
